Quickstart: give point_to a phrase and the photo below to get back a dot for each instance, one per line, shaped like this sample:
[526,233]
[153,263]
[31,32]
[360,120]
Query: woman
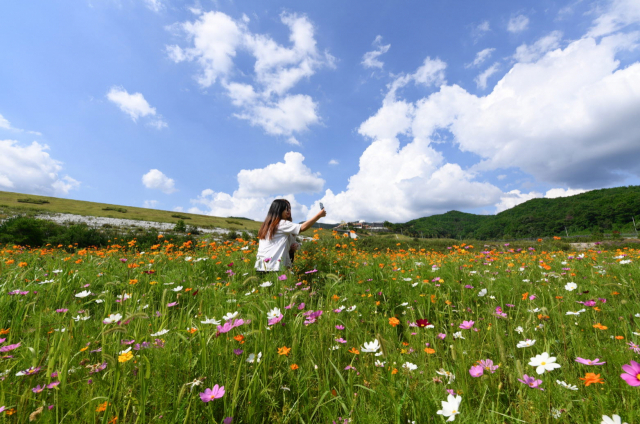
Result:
[277,236]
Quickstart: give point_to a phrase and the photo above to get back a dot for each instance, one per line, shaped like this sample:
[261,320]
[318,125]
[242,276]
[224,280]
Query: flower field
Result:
[190,333]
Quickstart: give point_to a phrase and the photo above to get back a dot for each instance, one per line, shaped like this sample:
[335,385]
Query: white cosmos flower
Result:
[112,318]
[407,279]
[414,284]
[230,315]
[274,313]
[544,362]
[482,292]
[570,286]
[371,347]
[526,343]
[615,419]
[177,289]
[160,333]
[122,352]
[379,363]
[266,284]
[458,335]
[83,294]
[566,385]
[351,309]
[450,407]
[447,374]
[409,366]
[210,321]
[576,313]
[99,300]
[252,358]
[57,271]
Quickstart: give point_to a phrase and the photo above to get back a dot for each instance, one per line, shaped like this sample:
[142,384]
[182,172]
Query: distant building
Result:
[362,225]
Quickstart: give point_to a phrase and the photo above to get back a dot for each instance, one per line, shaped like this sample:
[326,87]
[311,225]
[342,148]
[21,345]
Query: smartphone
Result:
[321,206]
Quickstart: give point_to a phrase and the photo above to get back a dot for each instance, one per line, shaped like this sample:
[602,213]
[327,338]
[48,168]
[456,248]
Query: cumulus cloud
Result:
[6,125]
[518,24]
[30,169]
[156,180]
[515,197]
[481,56]
[289,177]
[135,106]
[370,59]
[257,188]
[526,53]
[155,5]
[616,15]
[333,162]
[266,101]
[481,80]
[150,204]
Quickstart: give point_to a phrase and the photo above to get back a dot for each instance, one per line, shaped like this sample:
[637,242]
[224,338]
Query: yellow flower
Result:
[125,357]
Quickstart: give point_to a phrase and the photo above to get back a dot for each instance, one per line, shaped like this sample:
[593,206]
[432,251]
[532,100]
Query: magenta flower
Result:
[238,351]
[339,327]
[301,306]
[37,389]
[632,373]
[341,340]
[29,371]
[467,325]
[55,383]
[275,320]
[61,311]
[312,271]
[589,361]
[487,364]
[442,336]
[171,304]
[282,277]
[531,382]
[8,348]
[210,394]
[476,371]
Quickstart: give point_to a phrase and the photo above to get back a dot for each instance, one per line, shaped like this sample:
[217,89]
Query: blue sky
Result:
[381,110]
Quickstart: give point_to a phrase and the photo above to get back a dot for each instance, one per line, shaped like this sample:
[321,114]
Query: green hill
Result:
[594,212]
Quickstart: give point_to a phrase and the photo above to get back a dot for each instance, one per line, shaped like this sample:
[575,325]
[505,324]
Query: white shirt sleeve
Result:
[288,227]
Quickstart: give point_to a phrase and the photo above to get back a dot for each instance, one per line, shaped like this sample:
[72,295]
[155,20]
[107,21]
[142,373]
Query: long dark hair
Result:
[274,216]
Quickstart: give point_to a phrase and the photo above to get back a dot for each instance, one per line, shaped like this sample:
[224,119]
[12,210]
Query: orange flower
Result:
[113,420]
[102,407]
[600,326]
[558,297]
[10,411]
[9,262]
[188,289]
[294,367]
[393,321]
[132,282]
[433,298]
[525,295]
[239,338]
[22,264]
[429,350]
[284,350]
[395,371]
[354,351]
[591,378]
[3,331]
[83,349]
[619,337]
[192,330]
[539,240]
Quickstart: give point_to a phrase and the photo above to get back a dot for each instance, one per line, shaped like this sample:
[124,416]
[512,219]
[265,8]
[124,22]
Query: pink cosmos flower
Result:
[341,340]
[467,325]
[37,389]
[487,364]
[8,348]
[275,320]
[476,371]
[442,336]
[61,311]
[282,277]
[589,361]
[531,382]
[52,385]
[339,327]
[171,304]
[210,394]
[632,373]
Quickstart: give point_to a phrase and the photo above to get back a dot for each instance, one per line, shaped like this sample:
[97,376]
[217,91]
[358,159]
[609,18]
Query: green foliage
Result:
[34,201]
[114,208]
[180,216]
[597,211]
[180,227]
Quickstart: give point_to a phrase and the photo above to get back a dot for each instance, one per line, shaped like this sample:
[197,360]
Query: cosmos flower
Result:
[531,382]
[589,361]
[450,407]
[526,343]
[631,373]
[371,347]
[544,362]
[210,394]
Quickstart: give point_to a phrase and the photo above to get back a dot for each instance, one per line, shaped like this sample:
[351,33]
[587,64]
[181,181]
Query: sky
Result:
[381,110]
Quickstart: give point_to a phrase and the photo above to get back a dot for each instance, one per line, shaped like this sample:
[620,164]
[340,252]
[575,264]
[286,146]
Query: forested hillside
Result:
[594,212]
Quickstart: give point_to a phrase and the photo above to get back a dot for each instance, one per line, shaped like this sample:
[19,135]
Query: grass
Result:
[9,205]
[364,295]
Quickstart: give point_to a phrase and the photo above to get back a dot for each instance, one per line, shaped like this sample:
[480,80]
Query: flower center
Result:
[543,363]
[638,376]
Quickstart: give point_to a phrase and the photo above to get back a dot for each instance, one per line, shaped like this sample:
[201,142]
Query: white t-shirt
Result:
[275,252]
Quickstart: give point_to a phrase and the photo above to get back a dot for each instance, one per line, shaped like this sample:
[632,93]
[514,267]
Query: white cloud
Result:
[484,26]
[257,188]
[150,204]
[30,169]
[4,123]
[478,31]
[481,56]
[156,180]
[617,15]
[333,162]
[265,102]
[431,73]
[518,24]
[481,80]
[135,106]
[155,5]
[515,197]
[290,177]
[562,192]
[398,184]
[526,53]
[370,59]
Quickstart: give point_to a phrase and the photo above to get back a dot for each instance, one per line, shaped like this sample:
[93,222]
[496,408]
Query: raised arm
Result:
[308,224]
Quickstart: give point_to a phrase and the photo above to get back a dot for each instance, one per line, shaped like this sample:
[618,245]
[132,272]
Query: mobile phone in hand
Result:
[321,206]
